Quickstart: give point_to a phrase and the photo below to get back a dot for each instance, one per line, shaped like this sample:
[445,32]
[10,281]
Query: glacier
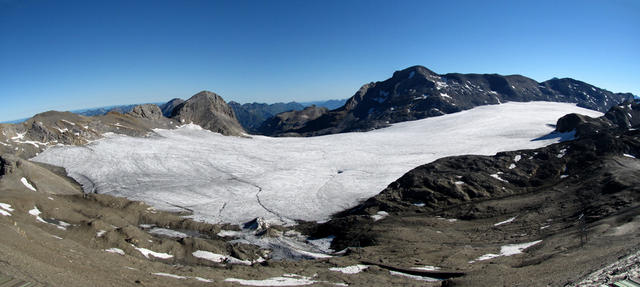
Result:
[226,179]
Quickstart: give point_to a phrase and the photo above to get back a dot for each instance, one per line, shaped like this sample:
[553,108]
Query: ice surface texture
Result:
[233,180]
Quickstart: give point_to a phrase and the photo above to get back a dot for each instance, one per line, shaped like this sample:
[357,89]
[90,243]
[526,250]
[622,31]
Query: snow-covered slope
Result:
[232,179]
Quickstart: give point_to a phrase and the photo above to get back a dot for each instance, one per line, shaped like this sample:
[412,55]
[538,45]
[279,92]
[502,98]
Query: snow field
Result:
[233,180]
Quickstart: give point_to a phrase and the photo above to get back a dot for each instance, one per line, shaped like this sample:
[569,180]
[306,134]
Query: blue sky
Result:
[66,55]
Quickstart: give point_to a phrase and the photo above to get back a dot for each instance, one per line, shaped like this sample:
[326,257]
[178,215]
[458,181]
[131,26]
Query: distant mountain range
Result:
[410,94]
[250,115]
[417,92]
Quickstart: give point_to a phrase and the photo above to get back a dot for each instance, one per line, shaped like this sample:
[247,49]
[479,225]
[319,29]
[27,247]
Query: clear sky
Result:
[66,55]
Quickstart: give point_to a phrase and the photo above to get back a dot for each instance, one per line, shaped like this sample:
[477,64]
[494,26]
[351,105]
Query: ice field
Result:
[232,179]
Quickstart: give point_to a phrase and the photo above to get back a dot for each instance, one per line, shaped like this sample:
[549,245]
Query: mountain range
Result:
[417,92]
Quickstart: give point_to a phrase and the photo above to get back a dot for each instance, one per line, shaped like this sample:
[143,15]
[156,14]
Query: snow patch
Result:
[506,221]
[19,136]
[284,280]
[6,207]
[497,176]
[115,250]
[219,258]
[512,166]
[27,184]
[628,155]
[353,269]
[202,279]
[230,233]
[206,255]
[441,85]
[517,158]
[426,268]
[508,250]
[100,233]
[562,153]
[169,275]
[168,233]
[147,252]
[36,212]
[313,254]
[380,215]
[414,277]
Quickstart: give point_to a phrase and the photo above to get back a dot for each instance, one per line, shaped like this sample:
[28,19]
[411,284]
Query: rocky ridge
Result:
[43,130]
[417,92]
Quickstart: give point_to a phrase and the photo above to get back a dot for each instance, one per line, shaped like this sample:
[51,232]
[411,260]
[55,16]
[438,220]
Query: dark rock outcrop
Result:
[622,117]
[209,111]
[168,107]
[417,92]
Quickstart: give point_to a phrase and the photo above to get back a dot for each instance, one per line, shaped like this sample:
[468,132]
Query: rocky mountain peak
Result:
[211,112]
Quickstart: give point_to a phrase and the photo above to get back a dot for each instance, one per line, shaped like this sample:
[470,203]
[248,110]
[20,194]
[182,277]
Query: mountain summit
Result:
[210,111]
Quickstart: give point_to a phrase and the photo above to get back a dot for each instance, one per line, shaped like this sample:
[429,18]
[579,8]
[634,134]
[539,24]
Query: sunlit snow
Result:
[115,250]
[232,179]
[147,252]
[6,207]
[380,215]
[508,250]
[353,269]
[284,280]
[28,185]
[414,277]
[506,221]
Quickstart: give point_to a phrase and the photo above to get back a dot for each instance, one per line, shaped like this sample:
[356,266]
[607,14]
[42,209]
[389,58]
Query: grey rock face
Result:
[167,108]
[209,111]
[147,111]
[417,92]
